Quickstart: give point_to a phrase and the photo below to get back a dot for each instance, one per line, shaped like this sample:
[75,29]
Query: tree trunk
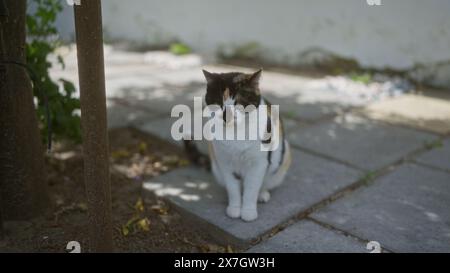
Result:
[88,25]
[23,185]
[2,232]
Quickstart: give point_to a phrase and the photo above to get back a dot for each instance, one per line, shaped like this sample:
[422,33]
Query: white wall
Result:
[398,34]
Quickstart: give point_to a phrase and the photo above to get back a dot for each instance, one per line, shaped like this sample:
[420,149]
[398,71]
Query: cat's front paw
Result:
[234,212]
[249,214]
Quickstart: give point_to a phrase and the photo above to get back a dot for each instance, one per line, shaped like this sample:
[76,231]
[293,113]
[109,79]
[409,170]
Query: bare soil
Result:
[142,222]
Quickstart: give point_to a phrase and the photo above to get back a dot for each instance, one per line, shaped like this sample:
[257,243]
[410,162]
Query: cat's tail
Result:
[195,156]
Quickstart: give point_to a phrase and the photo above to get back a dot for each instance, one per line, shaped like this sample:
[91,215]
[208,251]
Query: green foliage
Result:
[179,49]
[41,42]
[246,51]
[433,144]
[364,78]
[250,50]
[368,176]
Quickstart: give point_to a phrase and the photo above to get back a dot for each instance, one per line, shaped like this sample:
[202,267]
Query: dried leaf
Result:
[170,159]
[204,248]
[213,248]
[83,206]
[160,209]
[131,221]
[183,162]
[144,224]
[122,153]
[229,249]
[125,231]
[142,147]
[139,206]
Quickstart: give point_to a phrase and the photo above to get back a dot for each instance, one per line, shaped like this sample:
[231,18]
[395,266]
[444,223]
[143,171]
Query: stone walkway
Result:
[365,167]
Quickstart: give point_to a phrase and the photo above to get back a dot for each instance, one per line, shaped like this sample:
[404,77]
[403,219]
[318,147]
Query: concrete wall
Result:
[397,34]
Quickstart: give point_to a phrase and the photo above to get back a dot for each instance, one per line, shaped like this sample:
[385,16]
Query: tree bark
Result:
[2,87]
[89,36]
[23,185]
[2,232]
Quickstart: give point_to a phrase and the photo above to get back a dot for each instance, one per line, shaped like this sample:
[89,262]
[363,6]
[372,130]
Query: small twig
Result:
[65,209]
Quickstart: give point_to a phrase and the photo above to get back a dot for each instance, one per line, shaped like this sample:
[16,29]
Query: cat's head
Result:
[232,88]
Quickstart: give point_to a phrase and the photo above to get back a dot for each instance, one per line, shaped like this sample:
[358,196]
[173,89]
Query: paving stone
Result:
[309,237]
[290,125]
[432,114]
[162,128]
[310,180]
[123,116]
[160,98]
[437,157]
[292,108]
[361,142]
[405,211]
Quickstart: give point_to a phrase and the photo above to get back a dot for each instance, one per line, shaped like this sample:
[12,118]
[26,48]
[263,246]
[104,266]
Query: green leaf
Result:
[179,49]
[63,105]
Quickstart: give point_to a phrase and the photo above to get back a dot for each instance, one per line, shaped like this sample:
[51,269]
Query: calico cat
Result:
[241,166]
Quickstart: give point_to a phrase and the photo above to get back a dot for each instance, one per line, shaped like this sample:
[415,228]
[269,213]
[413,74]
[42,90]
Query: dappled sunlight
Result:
[430,113]
[361,142]
[138,156]
[432,216]
[331,133]
[64,155]
[340,127]
[161,98]
[353,122]
[200,186]
[340,90]
[191,190]
[158,80]
[170,61]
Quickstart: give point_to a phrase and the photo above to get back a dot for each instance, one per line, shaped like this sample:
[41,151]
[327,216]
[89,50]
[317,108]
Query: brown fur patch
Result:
[239,78]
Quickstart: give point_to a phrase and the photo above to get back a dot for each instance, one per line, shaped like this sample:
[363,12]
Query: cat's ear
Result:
[209,76]
[255,77]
